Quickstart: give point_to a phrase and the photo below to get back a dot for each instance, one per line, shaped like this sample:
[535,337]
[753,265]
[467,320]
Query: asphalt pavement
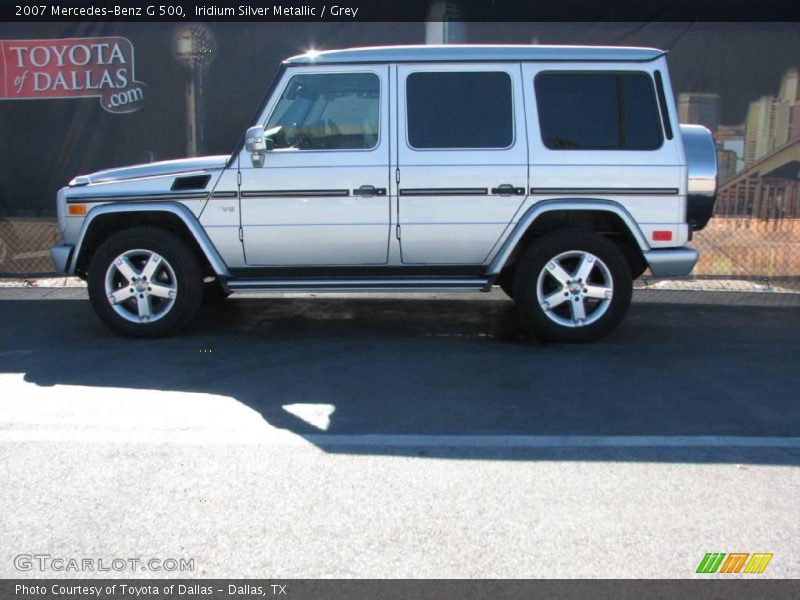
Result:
[391,436]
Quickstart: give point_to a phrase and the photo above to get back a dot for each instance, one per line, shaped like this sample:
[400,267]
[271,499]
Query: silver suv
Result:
[557,173]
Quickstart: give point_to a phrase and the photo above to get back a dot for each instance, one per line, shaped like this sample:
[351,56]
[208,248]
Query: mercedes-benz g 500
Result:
[559,174]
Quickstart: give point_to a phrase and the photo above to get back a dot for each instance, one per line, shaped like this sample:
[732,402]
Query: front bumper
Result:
[60,254]
[671,262]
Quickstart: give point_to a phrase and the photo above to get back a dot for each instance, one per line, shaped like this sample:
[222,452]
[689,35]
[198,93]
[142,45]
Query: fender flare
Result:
[574,204]
[179,210]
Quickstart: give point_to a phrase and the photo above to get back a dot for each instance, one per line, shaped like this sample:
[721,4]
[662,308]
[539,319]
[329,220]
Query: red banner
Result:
[97,67]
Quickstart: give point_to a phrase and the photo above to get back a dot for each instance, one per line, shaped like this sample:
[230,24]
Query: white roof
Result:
[476,53]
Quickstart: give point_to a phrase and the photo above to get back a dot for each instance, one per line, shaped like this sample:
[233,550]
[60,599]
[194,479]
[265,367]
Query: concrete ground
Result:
[293,436]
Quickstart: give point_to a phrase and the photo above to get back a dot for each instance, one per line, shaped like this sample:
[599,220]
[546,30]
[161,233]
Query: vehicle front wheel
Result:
[572,286]
[145,282]
[213,293]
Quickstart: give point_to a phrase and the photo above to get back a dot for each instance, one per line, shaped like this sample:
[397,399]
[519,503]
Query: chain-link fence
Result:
[731,248]
[750,248]
[25,246]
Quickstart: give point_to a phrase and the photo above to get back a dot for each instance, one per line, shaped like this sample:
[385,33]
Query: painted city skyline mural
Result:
[759,159]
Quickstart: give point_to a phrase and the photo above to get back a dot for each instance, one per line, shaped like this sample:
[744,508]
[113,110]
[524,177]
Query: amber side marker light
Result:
[662,236]
[76,209]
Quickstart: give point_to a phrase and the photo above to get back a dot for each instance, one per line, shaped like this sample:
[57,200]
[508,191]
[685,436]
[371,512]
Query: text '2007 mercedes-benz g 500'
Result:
[558,173]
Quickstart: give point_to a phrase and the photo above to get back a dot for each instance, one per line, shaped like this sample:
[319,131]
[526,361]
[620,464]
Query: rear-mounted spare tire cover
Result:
[701,158]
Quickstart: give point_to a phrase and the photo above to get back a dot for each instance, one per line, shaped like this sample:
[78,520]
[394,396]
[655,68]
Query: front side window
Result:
[327,111]
[598,111]
[459,110]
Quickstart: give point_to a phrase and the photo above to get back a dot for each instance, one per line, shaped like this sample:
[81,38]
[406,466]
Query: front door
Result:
[321,197]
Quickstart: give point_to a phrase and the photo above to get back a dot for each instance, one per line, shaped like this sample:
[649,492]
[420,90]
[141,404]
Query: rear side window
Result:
[459,110]
[598,111]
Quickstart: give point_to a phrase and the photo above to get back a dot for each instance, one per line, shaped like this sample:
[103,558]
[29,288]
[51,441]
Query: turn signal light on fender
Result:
[76,209]
[662,236]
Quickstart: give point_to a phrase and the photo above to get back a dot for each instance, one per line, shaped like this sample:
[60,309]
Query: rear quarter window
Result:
[598,111]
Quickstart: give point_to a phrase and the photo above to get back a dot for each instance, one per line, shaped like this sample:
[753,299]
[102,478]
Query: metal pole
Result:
[191,116]
[200,111]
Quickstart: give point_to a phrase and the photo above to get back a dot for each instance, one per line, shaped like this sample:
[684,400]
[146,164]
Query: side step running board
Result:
[360,285]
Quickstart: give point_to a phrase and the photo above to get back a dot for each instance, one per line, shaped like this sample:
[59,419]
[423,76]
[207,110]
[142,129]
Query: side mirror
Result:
[255,142]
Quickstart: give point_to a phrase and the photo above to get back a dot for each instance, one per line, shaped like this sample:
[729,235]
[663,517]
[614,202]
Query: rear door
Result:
[462,158]
[597,131]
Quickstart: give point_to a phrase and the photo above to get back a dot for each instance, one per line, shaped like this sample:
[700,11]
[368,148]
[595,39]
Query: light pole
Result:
[194,47]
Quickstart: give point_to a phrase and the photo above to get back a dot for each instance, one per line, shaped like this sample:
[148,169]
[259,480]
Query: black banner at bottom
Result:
[395,589]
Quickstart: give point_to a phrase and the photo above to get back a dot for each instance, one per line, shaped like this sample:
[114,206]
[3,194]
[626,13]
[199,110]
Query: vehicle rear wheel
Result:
[507,285]
[145,282]
[636,262]
[572,286]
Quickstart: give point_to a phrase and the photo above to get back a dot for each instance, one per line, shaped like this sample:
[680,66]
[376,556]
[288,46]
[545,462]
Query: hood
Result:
[166,167]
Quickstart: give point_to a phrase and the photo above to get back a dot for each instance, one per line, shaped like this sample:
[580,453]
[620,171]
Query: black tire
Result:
[185,269]
[507,285]
[601,315]
[636,262]
[213,293]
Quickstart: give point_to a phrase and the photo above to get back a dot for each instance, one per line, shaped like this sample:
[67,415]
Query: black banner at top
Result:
[405,10]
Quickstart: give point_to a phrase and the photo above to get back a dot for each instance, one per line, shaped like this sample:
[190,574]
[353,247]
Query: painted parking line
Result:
[565,441]
[269,435]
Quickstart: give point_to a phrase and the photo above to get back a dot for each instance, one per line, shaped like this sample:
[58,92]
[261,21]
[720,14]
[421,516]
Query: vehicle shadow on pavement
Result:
[443,367]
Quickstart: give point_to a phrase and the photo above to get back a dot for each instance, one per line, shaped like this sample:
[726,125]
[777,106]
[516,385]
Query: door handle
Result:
[369,190]
[506,189]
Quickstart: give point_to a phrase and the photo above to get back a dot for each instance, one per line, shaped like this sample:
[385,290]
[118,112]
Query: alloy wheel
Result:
[574,289]
[141,286]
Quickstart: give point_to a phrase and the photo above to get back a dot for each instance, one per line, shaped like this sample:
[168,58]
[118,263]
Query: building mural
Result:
[756,229]
[746,93]
[759,159]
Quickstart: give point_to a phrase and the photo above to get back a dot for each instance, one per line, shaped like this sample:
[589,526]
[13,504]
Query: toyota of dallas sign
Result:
[96,67]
